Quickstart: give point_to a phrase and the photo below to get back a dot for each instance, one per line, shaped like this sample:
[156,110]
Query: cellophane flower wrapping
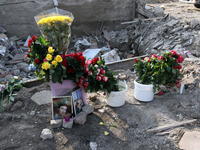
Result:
[54,24]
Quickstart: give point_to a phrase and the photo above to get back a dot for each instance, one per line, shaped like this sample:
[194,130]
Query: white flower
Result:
[2,86]
[16,77]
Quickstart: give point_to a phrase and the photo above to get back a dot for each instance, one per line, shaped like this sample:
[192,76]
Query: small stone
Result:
[67,124]
[88,109]
[93,145]
[167,145]
[46,134]
[32,113]
[56,123]
[156,147]
[16,72]
[80,118]
[17,105]
[122,76]
[194,23]
[158,12]
[186,27]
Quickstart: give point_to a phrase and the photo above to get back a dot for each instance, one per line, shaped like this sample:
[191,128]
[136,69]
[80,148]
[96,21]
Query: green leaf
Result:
[12,98]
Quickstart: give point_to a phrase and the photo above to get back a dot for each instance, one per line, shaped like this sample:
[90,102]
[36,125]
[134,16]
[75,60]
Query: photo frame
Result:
[62,107]
[77,101]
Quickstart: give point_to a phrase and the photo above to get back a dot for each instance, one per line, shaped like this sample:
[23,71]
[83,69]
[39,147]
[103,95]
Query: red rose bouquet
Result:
[100,77]
[160,70]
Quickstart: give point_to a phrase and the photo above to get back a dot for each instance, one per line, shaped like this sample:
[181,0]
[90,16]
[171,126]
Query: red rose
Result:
[101,75]
[173,52]
[28,51]
[175,67]
[95,60]
[90,73]
[79,84]
[178,85]
[80,53]
[64,62]
[136,60]
[105,79]
[72,55]
[82,61]
[153,56]
[160,93]
[70,70]
[149,60]
[179,67]
[81,81]
[77,57]
[37,61]
[34,38]
[67,55]
[4,82]
[21,79]
[177,60]
[102,71]
[98,78]
[27,55]
[85,84]
[30,42]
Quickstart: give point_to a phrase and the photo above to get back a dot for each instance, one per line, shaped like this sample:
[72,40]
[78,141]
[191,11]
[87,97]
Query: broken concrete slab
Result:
[190,141]
[111,56]
[91,53]
[42,97]
[18,58]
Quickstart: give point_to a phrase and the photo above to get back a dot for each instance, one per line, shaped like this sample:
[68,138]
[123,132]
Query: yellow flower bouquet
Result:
[54,24]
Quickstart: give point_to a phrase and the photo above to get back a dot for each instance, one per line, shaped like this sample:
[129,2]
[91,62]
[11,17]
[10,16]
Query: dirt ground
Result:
[21,131]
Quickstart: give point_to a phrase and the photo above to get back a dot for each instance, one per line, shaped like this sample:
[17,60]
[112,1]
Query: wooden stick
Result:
[165,127]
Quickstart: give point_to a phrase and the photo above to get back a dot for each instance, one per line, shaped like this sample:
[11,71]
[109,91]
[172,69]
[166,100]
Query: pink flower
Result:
[173,52]
[45,60]
[160,93]
[160,57]
[105,79]
[98,78]
[153,56]
[88,62]
[102,71]
[81,81]
[90,73]
[86,69]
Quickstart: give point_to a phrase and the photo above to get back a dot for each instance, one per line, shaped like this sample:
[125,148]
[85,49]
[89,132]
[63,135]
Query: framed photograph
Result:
[77,101]
[62,107]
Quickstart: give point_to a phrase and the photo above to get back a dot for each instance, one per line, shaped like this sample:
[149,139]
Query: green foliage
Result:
[7,89]
[159,70]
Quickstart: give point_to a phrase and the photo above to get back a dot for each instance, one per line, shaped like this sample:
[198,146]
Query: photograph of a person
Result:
[77,101]
[62,108]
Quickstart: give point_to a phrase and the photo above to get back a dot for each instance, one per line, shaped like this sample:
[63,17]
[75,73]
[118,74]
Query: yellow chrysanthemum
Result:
[51,50]
[54,63]
[49,57]
[46,65]
[101,123]
[53,19]
[58,58]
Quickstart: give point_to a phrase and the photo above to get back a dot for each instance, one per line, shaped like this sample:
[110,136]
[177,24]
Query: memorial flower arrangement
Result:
[160,70]
[57,67]
[48,52]
[7,88]
[100,77]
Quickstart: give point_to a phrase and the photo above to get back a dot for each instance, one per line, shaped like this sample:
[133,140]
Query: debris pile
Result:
[13,61]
